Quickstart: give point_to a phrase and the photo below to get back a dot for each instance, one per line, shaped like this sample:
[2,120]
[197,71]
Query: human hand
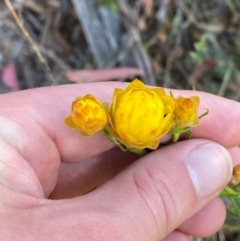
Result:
[150,199]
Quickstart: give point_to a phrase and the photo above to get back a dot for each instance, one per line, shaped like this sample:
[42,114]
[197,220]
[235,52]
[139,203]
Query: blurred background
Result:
[178,44]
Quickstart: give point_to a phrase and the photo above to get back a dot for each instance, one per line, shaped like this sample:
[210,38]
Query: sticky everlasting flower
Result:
[88,115]
[185,111]
[140,116]
[236,172]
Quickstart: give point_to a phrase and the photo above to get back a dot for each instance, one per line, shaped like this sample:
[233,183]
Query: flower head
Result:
[88,115]
[140,116]
[185,111]
[236,172]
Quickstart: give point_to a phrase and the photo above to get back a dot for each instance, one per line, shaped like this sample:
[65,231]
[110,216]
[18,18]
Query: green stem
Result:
[176,136]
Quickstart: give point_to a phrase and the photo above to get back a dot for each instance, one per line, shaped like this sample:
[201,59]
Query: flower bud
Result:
[88,115]
[185,111]
[236,172]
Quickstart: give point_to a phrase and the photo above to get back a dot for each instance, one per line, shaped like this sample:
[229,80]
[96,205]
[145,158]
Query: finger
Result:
[46,109]
[165,188]
[34,147]
[16,173]
[207,221]
[211,218]
[177,236]
[82,177]
[50,106]
[37,144]
[235,154]
[32,123]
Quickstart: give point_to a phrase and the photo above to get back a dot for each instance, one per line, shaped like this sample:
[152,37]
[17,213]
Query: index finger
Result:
[51,105]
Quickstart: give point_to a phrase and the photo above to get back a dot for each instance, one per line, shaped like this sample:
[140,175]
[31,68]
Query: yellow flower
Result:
[236,172]
[185,111]
[88,115]
[140,116]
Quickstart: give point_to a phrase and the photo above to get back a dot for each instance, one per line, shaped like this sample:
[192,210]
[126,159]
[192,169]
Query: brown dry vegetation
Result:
[172,43]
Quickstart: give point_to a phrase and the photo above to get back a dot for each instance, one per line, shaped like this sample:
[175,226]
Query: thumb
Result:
[164,188]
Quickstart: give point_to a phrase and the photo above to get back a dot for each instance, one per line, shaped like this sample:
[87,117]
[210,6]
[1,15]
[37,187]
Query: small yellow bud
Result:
[88,115]
[185,111]
[236,172]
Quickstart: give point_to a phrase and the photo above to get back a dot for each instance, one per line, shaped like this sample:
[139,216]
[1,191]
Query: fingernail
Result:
[210,168]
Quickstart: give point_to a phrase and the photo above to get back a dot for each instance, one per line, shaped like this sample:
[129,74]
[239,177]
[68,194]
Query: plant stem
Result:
[175,137]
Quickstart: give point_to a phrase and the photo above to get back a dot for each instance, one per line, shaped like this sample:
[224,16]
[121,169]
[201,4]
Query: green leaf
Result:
[225,66]
[234,197]
[229,192]
[196,57]
[231,213]
[175,21]
[110,4]
[201,45]
[204,114]
[236,205]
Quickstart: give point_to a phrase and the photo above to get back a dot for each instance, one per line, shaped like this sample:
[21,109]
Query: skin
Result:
[46,168]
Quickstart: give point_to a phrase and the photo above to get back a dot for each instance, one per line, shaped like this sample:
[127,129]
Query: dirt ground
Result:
[179,44]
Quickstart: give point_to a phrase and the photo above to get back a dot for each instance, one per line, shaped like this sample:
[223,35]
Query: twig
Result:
[202,26]
[46,27]
[221,235]
[51,55]
[6,12]
[139,53]
[31,41]
[170,61]
[122,54]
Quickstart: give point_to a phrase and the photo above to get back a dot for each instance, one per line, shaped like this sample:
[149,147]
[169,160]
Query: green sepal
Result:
[139,152]
[178,131]
[107,132]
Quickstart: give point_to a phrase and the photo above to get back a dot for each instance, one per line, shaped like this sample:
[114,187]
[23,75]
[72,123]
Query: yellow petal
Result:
[118,93]
[159,91]
[105,106]
[136,84]
[68,121]
[168,100]
[196,100]
[153,145]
